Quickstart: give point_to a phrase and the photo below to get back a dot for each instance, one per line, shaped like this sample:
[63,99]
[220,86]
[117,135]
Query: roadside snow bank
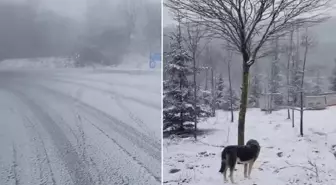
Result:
[51,62]
[130,62]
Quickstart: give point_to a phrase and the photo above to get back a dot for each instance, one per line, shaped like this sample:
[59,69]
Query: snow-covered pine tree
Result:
[333,79]
[255,91]
[177,95]
[206,97]
[227,100]
[205,104]
[255,86]
[220,93]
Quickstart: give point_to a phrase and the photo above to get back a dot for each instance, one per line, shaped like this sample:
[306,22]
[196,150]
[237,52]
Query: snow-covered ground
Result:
[284,154]
[129,62]
[79,127]
[50,62]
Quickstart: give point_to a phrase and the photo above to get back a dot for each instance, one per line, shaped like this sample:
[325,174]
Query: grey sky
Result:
[73,8]
[167,19]
[70,8]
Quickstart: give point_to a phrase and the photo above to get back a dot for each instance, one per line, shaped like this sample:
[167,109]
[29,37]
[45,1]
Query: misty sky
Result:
[73,8]
[111,28]
[69,8]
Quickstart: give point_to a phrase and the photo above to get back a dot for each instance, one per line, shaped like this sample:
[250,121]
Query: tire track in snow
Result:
[112,84]
[135,118]
[76,168]
[138,138]
[149,104]
[81,145]
[14,171]
[128,153]
[30,127]
[148,145]
[51,173]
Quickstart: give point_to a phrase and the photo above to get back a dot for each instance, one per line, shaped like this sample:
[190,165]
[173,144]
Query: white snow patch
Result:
[199,162]
[130,62]
[50,62]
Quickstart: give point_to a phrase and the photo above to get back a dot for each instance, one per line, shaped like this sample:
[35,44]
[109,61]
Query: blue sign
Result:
[153,59]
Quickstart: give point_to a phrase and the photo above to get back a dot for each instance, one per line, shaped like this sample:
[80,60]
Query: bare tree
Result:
[295,74]
[194,36]
[275,78]
[213,89]
[228,61]
[289,59]
[247,25]
[307,43]
[211,65]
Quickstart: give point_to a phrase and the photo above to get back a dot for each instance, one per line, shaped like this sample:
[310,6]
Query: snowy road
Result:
[79,127]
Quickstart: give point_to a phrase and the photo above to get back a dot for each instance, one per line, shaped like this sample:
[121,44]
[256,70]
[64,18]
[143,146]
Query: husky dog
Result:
[246,155]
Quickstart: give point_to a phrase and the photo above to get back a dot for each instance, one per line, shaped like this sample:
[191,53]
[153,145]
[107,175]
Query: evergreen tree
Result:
[333,79]
[177,95]
[255,91]
[220,93]
[228,100]
[205,106]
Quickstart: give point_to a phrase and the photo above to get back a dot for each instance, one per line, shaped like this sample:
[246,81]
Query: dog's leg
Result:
[224,174]
[232,160]
[245,170]
[223,168]
[250,168]
[231,175]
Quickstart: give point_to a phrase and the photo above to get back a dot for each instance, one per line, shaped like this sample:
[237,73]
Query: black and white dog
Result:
[246,155]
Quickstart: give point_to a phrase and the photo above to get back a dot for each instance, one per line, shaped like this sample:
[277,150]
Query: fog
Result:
[101,31]
[321,56]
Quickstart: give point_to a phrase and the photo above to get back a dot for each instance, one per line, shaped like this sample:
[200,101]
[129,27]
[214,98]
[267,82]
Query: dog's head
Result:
[253,143]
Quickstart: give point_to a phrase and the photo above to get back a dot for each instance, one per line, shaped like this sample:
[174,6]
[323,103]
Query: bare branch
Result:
[248,24]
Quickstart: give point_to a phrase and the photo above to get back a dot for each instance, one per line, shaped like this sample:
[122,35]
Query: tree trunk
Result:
[206,79]
[302,82]
[301,113]
[293,117]
[288,113]
[231,94]
[288,72]
[213,93]
[195,99]
[243,104]
[181,113]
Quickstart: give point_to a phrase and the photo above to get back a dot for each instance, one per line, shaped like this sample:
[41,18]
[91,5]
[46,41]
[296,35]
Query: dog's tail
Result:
[223,164]
[221,170]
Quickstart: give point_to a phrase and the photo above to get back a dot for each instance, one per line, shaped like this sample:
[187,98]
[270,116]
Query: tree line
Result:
[253,31]
[106,33]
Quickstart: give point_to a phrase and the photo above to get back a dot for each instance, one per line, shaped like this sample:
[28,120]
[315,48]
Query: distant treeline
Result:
[27,31]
